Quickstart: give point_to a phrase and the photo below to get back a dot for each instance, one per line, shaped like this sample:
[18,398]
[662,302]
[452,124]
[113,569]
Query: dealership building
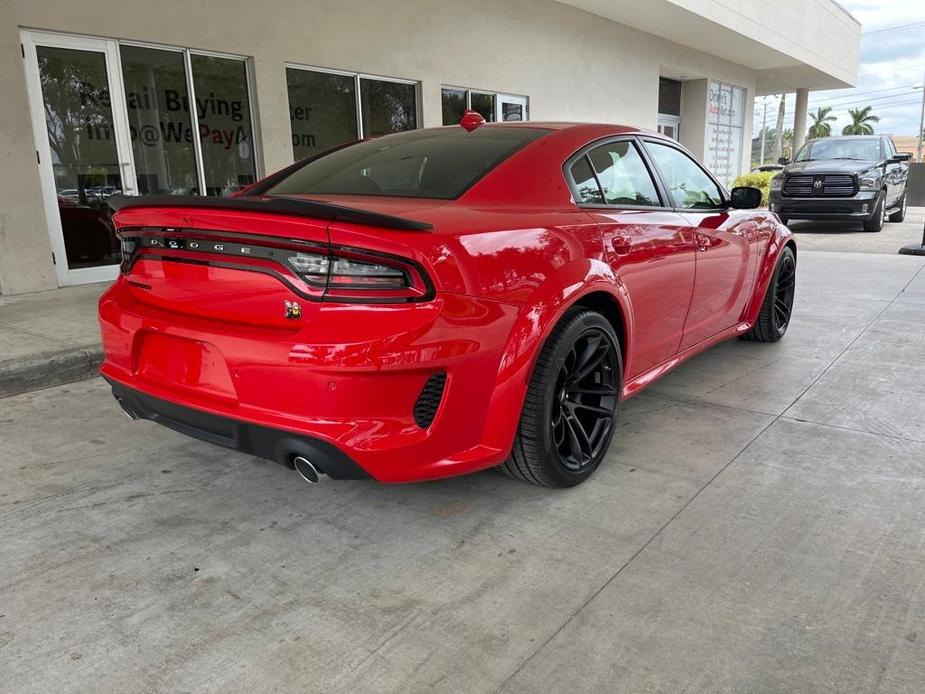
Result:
[103,97]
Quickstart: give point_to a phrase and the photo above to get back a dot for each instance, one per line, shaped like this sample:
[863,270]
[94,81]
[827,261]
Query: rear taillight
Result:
[350,274]
[326,273]
[334,271]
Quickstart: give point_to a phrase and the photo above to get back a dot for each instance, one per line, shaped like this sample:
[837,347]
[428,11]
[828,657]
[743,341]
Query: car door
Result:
[649,246]
[725,240]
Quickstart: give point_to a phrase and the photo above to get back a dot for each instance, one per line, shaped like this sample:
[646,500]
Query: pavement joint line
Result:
[526,661]
[855,430]
[852,343]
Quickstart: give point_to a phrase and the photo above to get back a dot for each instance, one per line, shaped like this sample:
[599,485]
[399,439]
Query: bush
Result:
[760,180]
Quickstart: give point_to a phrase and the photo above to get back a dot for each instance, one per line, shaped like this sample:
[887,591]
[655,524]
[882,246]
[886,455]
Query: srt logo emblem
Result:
[293,310]
[817,184]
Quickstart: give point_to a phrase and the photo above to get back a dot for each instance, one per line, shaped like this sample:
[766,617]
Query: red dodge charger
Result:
[439,301]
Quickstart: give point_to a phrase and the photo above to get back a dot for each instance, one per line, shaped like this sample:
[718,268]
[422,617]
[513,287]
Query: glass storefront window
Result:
[484,104]
[160,127]
[322,110]
[224,118]
[454,104]
[456,100]
[387,107]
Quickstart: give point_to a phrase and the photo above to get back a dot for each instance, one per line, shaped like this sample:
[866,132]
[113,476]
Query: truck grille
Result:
[829,185]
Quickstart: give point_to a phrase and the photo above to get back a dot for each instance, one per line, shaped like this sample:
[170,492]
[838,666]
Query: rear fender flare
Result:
[780,238]
[535,321]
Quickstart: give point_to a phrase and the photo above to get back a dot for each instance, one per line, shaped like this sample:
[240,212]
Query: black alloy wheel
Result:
[567,421]
[777,307]
[586,399]
[784,288]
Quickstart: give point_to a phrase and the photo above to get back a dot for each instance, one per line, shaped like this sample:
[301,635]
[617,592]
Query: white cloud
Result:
[891,63]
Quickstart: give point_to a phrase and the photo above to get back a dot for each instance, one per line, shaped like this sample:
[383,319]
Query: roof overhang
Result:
[790,44]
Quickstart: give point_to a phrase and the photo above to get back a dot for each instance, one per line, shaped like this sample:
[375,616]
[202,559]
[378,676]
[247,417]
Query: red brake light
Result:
[352,274]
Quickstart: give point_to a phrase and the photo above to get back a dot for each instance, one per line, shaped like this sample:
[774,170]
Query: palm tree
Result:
[861,119]
[821,119]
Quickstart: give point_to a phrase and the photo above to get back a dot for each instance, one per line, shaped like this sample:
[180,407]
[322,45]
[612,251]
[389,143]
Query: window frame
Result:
[357,77]
[584,152]
[249,80]
[667,142]
[495,97]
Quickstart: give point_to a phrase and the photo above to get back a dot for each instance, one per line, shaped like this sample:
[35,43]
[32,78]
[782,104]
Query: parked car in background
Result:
[439,301]
[852,178]
[766,168]
[89,236]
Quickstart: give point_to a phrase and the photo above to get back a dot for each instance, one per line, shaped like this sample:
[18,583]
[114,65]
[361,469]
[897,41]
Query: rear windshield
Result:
[440,163]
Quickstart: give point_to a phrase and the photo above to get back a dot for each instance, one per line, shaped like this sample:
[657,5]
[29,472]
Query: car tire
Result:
[875,223]
[900,214]
[568,418]
[777,307]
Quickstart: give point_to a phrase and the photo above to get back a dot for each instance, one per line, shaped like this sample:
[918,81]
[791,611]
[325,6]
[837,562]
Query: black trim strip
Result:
[281,205]
[265,442]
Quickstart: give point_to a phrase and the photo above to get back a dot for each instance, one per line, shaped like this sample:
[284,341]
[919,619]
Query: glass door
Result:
[83,149]
[511,108]
[115,117]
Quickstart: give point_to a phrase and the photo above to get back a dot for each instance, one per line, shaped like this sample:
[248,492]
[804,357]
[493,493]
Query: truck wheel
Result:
[875,223]
[900,214]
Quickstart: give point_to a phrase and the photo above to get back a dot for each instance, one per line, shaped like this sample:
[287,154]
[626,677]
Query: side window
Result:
[585,183]
[688,185]
[623,175]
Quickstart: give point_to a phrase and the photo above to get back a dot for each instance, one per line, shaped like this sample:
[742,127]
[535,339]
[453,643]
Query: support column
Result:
[799,120]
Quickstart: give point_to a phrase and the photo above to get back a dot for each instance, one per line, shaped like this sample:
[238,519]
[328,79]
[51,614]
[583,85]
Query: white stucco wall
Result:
[572,64]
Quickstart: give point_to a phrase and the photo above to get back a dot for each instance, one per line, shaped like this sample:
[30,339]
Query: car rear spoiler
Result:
[284,205]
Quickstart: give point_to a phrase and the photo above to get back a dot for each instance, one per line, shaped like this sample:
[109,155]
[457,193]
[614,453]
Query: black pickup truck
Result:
[853,178]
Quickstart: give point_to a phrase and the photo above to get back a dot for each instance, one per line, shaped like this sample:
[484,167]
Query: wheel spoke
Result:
[592,363]
[579,437]
[592,408]
[603,391]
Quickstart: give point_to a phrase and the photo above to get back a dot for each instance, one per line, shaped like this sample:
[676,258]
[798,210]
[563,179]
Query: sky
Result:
[892,62]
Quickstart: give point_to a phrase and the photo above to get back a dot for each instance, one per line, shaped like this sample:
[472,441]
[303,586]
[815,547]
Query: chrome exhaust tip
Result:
[125,409]
[306,470]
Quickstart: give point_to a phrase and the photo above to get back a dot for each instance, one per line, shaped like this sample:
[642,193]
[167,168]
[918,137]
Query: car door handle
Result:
[622,243]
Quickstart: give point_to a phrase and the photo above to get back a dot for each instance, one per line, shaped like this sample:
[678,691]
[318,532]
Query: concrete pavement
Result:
[838,236]
[758,526]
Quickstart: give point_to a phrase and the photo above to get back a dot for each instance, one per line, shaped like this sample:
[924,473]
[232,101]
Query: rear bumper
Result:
[264,442]
[859,207]
[343,382]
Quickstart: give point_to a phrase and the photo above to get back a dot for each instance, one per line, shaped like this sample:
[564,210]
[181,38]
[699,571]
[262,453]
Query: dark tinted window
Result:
[454,104]
[669,97]
[439,163]
[388,107]
[322,110]
[623,176]
[484,104]
[586,186]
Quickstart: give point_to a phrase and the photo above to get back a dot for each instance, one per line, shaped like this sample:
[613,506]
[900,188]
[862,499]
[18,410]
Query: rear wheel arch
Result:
[608,306]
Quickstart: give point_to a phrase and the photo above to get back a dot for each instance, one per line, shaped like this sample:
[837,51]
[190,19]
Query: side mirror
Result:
[901,157]
[783,161]
[746,198]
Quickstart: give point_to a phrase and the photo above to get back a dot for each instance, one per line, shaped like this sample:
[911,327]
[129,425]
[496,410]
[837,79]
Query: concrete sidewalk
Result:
[49,338]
